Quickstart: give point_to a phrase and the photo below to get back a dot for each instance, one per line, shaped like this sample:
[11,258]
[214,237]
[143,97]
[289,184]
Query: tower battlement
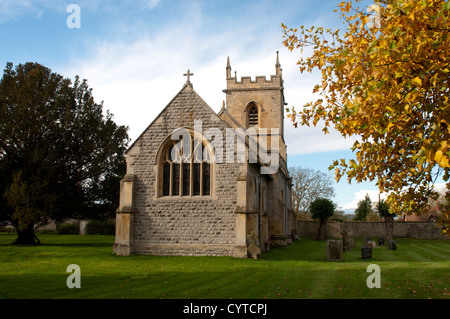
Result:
[259,82]
[274,82]
[257,103]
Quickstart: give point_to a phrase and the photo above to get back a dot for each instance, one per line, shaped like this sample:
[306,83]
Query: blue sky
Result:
[134,55]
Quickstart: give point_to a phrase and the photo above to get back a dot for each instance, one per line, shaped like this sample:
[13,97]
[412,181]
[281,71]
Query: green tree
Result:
[322,209]
[383,210]
[372,216]
[363,209]
[57,147]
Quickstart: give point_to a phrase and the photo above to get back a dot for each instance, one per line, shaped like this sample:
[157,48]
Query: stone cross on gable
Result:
[188,74]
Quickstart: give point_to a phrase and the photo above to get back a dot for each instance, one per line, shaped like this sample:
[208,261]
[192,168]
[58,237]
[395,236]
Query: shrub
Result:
[68,228]
[5,229]
[100,227]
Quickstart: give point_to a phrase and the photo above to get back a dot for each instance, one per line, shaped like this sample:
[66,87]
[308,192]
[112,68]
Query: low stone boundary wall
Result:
[420,230]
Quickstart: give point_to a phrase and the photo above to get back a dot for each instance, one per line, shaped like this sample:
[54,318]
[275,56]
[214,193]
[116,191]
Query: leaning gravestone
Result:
[334,249]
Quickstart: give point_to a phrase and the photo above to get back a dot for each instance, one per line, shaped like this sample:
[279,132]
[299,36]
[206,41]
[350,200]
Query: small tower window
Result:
[252,115]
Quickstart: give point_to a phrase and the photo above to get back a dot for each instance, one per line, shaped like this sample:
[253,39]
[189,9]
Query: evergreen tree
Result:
[364,209]
[383,210]
[322,209]
[57,148]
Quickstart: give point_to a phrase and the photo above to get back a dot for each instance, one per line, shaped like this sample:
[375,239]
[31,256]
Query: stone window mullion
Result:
[191,171]
[171,179]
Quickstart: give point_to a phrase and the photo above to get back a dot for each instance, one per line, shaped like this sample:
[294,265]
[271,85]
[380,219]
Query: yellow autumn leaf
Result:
[390,125]
[441,159]
[321,62]
[417,81]
[338,175]
[353,164]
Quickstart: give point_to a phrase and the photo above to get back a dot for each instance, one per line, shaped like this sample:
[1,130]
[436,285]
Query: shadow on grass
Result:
[138,282]
[67,245]
[55,240]
[129,284]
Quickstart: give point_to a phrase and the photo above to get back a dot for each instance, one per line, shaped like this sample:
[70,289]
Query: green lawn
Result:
[419,269]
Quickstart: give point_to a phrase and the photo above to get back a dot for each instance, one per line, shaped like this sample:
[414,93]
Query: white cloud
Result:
[151,4]
[10,9]
[374,193]
[360,195]
[440,187]
[137,80]
[305,140]
[299,91]
[16,8]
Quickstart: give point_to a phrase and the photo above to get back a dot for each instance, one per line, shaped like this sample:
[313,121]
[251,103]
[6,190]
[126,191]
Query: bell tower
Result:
[258,104]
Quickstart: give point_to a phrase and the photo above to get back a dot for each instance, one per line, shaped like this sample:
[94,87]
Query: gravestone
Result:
[366,252]
[350,244]
[381,242]
[392,245]
[83,227]
[253,250]
[347,243]
[334,249]
[344,240]
[372,244]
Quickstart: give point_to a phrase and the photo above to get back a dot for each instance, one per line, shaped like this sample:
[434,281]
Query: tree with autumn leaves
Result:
[385,80]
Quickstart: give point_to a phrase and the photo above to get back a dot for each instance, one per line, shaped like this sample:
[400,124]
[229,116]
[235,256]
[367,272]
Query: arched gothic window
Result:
[186,173]
[252,115]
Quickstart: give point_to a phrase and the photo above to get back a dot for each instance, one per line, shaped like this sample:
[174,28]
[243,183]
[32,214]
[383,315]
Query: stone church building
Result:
[205,183]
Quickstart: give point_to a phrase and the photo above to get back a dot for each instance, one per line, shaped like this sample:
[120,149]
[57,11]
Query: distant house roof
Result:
[430,216]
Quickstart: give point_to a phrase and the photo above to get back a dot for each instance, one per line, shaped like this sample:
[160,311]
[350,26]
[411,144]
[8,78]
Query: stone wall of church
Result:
[182,225]
[186,226]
